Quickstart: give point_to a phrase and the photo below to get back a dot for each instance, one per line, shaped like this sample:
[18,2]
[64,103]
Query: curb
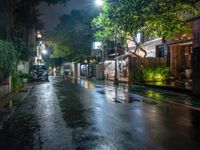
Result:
[5,99]
[176,89]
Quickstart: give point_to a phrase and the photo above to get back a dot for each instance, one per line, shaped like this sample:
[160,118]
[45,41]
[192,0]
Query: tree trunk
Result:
[9,16]
[131,70]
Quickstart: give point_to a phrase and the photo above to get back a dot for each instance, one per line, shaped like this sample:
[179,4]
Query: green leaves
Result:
[72,37]
[164,18]
[156,73]
[8,57]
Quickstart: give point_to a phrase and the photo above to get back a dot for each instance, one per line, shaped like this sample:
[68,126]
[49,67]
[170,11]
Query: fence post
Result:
[130,70]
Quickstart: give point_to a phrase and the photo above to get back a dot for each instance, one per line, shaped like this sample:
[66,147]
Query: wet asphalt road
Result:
[68,115]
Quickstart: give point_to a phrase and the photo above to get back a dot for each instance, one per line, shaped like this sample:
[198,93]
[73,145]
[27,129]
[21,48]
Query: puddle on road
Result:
[86,84]
[101,92]
[121,94]
[159,96]
[99,86]
[116,94]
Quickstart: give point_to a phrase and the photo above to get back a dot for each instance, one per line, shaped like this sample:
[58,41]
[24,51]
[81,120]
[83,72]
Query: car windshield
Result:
[39,67]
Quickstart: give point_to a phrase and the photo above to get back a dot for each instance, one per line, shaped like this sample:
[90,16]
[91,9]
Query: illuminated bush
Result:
[156,73]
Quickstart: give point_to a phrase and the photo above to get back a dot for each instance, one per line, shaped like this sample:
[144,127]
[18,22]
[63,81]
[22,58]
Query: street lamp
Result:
[99,2]
[38,35]
[44,51]
[115,49]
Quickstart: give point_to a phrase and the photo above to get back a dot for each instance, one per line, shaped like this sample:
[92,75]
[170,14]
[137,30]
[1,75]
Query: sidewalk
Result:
[177,86]
[10,103]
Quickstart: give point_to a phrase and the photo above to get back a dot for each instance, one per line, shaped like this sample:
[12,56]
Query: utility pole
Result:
[115,48]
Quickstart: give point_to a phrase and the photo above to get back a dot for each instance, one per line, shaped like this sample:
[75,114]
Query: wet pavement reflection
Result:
[78,114]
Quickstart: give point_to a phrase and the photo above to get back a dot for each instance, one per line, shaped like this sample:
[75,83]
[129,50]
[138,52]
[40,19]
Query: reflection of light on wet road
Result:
[158,96]
[86,84]
[61,114]
[117,94]
[52,125]
[97,120]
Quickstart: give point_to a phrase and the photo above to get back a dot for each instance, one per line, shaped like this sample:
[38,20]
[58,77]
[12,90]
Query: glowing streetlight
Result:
[99,2]
[44,51]
[38,35]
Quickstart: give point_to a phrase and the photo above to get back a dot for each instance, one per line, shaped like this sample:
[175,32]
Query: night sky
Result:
[50,14]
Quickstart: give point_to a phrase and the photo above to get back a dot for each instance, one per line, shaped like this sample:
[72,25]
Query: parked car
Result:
[39,72]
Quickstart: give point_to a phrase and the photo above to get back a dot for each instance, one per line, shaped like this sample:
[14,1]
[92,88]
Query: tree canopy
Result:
[72,37]
[18,21]
[25,20]
[163,18]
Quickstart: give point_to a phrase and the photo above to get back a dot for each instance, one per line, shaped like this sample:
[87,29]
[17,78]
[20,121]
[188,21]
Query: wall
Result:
[122,69]
[23,67]
[4,88]
[180,60]
[99,72]
[196,58]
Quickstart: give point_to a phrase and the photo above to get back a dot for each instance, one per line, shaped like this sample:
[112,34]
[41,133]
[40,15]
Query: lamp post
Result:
[100,3]
[87,62]
[115,49]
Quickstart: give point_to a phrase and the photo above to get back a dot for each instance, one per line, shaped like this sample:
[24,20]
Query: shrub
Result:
[16,81]
[8,63]
[156,73]
[138,75]
[8,57]
[24,77]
